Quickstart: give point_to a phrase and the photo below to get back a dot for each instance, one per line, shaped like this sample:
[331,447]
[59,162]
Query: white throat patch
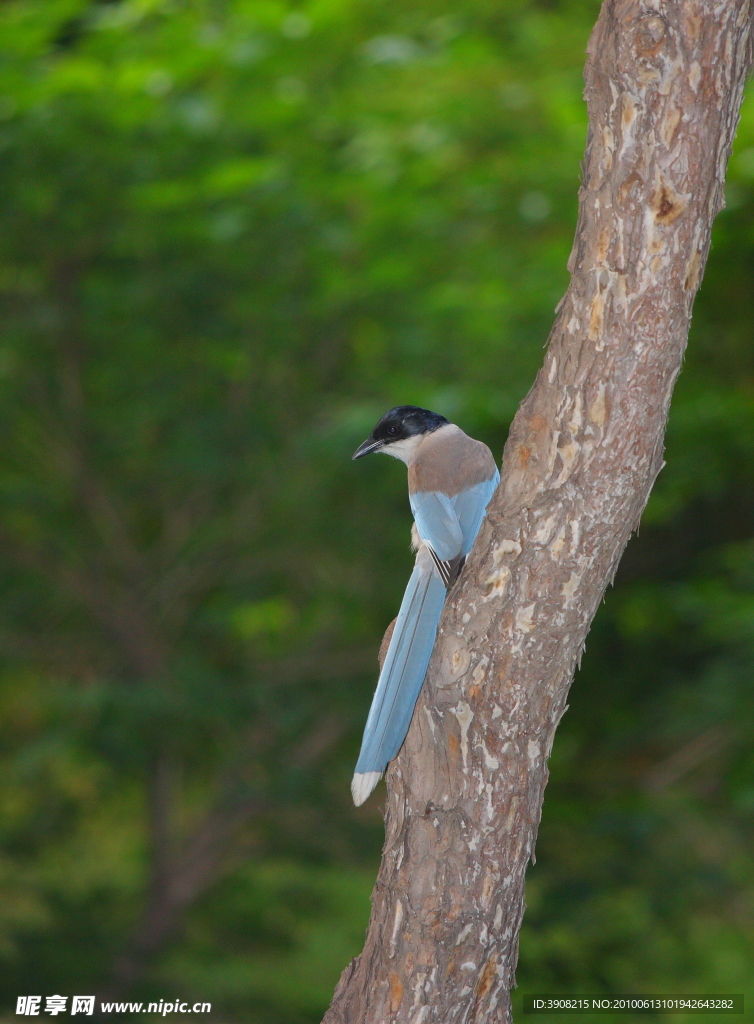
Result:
[404,448]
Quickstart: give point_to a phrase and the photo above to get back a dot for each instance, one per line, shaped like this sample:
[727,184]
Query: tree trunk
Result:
[664,81]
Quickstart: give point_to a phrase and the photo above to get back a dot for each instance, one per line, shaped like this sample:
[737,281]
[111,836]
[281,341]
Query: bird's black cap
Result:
[400,423]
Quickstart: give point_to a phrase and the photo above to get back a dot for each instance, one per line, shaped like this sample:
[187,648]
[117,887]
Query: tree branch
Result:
[663,86]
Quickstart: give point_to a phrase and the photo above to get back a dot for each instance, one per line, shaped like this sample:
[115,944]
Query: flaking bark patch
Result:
[666,204]
[396,993]
[484,985]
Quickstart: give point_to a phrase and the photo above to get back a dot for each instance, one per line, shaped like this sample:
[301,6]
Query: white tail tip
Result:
[363,784]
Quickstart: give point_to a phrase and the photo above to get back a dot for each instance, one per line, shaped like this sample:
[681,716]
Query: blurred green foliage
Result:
[232,233]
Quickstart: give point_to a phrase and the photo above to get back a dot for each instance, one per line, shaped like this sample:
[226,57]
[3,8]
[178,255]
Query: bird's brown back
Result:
[449,461]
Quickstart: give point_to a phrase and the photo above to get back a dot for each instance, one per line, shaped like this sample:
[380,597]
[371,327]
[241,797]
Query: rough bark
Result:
[664,81]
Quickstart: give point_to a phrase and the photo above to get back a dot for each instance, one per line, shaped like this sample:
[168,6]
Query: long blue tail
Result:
[402,675]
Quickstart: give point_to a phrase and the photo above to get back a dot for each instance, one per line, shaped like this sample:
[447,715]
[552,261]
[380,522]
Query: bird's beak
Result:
[370,445]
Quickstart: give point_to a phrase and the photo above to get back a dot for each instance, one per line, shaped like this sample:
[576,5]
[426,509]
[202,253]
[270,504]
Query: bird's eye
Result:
[391,430]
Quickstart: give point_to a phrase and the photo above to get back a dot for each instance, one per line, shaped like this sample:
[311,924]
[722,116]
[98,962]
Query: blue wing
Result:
[470,506]
[437,523]
[449,526]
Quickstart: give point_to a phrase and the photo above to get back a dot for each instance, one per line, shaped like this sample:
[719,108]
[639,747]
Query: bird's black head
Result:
[400,424]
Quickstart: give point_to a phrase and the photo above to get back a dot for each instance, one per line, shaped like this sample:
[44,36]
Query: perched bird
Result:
[451,478]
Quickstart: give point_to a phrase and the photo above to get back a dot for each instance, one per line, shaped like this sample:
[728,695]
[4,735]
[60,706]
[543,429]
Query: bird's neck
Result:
[405,450]
[410,448]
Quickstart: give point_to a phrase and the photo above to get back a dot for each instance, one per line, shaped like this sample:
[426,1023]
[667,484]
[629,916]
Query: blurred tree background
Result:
[232,234]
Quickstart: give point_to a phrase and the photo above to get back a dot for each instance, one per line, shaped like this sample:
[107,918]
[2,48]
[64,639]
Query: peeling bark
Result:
[664,82]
